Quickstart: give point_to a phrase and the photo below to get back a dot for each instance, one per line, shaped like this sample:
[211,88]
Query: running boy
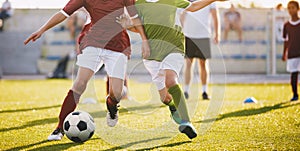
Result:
[291,51]
[105,40]
[166,59]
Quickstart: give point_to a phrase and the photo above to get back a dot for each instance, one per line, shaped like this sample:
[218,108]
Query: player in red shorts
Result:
[104,41]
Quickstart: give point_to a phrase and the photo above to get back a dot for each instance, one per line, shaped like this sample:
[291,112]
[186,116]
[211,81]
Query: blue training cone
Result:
[250,100]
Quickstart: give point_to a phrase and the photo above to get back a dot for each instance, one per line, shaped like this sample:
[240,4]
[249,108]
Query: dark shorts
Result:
[197,48]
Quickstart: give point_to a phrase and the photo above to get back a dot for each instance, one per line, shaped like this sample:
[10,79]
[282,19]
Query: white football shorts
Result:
[93,58]
[293,65]
[173,61]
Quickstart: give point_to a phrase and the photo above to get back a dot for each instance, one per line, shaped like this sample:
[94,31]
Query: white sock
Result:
[187,88]
[124,91]
[204,87]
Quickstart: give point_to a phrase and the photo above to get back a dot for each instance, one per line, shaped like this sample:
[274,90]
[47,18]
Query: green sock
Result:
[179,101]
[171,103]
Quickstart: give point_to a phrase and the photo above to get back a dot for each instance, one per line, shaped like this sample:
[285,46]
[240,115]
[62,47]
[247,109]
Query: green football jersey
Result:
[158,18]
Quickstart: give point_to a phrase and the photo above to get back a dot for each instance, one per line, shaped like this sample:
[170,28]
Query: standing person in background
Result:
[232,21]
[6,12]
[197,30]
[291,50]
[279,21]
[105,41]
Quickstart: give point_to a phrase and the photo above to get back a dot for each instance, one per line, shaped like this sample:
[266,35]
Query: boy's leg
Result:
[177,94]
[71,100]
[187,76]
[174,89]
[167,99]
[294,84]
[113,98]
[172,65]
[89,63]
[204,77]
[125,88]
[158,78]
[115,65]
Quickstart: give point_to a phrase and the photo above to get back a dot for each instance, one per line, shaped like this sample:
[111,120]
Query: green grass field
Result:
[29,110]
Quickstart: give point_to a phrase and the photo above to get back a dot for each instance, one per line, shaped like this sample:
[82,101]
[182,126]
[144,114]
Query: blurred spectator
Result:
[6,12]
[279,22]
[232,21]
[74,24]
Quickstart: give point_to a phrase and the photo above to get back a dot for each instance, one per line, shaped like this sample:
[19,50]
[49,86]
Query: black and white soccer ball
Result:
[79,126]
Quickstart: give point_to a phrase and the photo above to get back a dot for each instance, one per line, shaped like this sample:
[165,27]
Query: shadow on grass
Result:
[29,109]
[145,141]
[45,121]
[30,124]
[46,148]
[250,112]
[98,114]
[101,114]
[27,146]
[143,107]
[57,147]
[166,145]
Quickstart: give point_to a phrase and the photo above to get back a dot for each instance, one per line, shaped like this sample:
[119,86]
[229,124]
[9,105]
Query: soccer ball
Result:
[79,126]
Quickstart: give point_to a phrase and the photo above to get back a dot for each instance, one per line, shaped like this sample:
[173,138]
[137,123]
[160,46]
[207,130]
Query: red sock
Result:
[111,101]
[67,107]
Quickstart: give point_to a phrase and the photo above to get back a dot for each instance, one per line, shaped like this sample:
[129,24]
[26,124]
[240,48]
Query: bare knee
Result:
[170,82]
[171,78]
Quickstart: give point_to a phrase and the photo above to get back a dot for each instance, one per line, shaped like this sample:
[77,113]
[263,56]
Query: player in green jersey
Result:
[167,49]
